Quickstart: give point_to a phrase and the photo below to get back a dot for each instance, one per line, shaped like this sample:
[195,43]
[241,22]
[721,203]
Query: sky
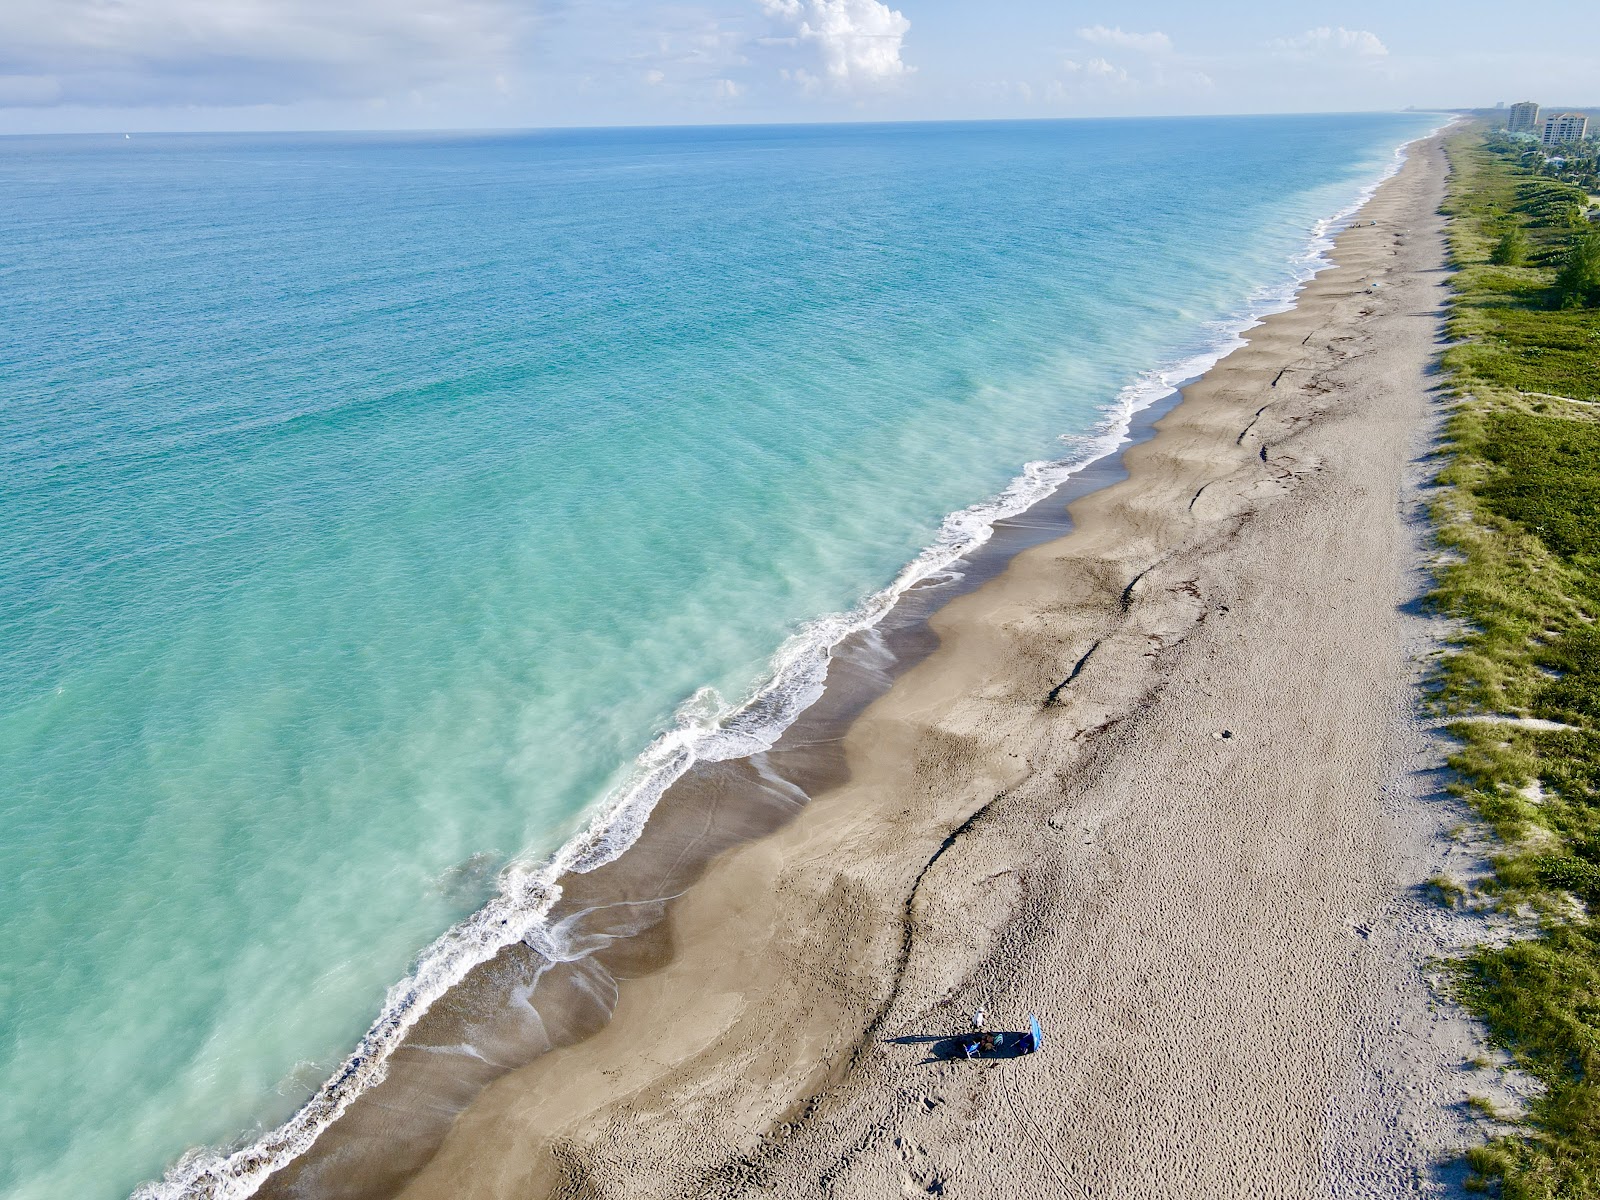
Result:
[121,65]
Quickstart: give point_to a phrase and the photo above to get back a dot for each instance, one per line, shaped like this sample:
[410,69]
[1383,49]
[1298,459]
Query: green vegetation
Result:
[1578,281]
[1519,508]
[1483,1106]
[1576,162]
[1512,248]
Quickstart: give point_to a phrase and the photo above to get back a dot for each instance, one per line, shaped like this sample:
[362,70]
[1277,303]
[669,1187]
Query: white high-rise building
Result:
[1524,118]
[1564,127]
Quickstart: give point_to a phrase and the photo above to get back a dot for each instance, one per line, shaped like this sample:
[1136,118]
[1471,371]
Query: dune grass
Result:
[1519,509]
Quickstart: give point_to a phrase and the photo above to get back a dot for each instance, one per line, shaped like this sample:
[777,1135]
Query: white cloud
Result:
[655,78]
[252,52]
[801,78]
[1098,81]
[1155,68]
[858,41]
[694,41]
[1096,69]
[726,89]
[1358,43]
[1154,42]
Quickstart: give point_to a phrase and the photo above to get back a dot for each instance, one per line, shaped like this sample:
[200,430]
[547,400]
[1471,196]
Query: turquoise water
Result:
[370,504]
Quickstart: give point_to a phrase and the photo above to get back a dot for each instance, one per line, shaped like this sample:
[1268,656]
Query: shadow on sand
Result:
[1006,1044]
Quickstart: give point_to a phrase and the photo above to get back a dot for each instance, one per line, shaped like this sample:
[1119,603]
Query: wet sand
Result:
[1160,781]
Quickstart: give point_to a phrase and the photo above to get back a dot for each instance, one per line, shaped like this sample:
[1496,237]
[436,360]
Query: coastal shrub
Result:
[1572,874]
[1578,282]
[1556,353]
[1573,693]
[1549,479]
[1550,204]
[1512,248]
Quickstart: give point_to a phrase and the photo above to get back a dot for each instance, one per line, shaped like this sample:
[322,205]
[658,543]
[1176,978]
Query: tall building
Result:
[1524,117]
[1564,127]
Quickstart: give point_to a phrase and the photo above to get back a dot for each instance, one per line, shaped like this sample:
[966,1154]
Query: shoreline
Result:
[804,760]
[1044,813]
[872,658]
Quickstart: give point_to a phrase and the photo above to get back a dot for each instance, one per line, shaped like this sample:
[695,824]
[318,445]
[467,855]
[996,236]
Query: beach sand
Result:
[1161,782]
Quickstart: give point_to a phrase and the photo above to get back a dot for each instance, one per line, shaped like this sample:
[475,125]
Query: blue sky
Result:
[69,65]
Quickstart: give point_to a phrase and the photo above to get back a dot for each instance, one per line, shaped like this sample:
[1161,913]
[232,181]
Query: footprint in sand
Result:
[918,1177]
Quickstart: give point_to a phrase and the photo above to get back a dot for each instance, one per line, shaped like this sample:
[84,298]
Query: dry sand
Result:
[1161,783]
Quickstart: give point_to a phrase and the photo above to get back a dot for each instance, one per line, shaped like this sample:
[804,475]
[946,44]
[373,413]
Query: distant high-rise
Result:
[1564,127]
[1524,117]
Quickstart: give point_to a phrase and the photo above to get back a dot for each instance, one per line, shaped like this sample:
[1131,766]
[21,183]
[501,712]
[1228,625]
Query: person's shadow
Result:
[989,1047]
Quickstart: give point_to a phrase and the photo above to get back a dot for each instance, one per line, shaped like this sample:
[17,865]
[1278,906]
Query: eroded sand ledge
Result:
[1220,934]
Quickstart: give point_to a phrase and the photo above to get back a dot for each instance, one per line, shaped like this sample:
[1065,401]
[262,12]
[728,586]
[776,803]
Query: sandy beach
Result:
[1161,782]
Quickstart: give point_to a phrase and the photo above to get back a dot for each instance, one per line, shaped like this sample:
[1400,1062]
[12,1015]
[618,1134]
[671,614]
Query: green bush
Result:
[1578,282]
[1511,250]
[1574,875]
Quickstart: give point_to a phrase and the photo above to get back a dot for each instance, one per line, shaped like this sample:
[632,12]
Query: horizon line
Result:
[128,131]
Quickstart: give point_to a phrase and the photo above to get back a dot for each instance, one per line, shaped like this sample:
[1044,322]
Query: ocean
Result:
[380,512]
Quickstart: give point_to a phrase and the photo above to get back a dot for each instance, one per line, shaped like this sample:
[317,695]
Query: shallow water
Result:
[369,504]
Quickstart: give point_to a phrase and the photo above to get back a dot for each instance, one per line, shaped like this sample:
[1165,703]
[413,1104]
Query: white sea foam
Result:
[708,730]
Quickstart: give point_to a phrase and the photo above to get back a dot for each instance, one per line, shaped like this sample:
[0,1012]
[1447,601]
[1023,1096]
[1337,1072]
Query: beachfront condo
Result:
[1563,128]
[1524,118]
